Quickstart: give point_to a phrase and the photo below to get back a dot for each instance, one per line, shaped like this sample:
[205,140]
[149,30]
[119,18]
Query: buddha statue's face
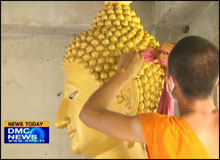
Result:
[78,86]
[91,60]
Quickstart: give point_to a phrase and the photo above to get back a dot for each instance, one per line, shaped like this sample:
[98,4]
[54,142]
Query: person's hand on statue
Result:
[129,64]
[165,47]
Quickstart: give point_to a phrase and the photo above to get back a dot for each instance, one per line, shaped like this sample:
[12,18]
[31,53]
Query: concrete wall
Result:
[204,22]
[31,80]
[74,17]
[34,38]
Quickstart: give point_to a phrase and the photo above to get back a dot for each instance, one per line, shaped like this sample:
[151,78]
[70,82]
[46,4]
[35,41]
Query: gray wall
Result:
[201,17]
[34,38]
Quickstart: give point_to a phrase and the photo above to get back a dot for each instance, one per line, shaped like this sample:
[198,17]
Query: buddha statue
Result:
[90,60]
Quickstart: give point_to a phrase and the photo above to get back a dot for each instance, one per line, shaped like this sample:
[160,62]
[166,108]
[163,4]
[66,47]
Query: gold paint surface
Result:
[90,60]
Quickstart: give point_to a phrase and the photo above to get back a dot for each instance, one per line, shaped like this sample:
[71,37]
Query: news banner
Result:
[26,132]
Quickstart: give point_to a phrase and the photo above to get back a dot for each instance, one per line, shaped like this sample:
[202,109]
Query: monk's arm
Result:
[95,113]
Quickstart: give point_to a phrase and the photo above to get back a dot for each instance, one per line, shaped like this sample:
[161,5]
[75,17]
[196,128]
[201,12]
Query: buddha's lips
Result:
[71,132]
[149,56]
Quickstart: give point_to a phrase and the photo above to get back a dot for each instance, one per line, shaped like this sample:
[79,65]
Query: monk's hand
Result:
[164,47]
[129,64]
[167,47]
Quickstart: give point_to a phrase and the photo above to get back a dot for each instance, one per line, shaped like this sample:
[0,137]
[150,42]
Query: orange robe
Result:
[170,137]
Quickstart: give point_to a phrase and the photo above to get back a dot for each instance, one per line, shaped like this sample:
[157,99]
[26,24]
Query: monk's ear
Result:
[176,84]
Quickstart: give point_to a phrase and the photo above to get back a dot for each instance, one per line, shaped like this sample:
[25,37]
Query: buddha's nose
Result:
[62,117]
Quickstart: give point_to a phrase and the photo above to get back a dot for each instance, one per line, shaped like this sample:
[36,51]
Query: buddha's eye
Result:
[72,95]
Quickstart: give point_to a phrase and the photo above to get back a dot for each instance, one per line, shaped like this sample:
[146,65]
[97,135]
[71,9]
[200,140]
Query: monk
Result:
[193,71]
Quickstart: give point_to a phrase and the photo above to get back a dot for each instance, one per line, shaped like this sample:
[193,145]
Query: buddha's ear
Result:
[130,98]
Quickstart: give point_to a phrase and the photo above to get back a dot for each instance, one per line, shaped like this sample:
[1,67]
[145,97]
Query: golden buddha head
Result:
[90,60]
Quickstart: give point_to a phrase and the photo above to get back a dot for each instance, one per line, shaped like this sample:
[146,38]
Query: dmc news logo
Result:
[26,132]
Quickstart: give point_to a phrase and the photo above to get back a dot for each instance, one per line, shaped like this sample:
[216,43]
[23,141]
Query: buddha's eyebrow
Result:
[70,85]
[72,95]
